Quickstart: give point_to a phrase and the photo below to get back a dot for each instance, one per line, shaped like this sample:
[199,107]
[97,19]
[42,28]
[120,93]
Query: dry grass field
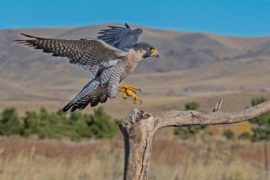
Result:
[217,159]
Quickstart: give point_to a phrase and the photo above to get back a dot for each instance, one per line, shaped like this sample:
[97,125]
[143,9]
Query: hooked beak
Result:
[154,52]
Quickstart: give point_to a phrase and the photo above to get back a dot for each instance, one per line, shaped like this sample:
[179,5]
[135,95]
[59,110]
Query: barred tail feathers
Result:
[81,100]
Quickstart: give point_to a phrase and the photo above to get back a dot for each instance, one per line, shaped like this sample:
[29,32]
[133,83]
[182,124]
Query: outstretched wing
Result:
[89,54]
[120,37]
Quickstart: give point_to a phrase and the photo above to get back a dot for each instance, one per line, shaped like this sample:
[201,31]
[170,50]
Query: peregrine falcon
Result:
[110,58]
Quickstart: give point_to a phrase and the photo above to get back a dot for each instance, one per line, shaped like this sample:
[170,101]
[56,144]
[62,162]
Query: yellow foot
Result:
[128,90]
[130,87]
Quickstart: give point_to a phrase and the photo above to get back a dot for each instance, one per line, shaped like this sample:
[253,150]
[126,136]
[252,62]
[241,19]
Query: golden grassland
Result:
[202,159]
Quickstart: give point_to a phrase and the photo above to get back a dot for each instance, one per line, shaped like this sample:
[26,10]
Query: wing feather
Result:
[87,53]
[120,37]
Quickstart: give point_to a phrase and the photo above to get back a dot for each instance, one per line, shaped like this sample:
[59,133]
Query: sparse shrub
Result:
[259,100]
[261,130]
[228,134]
[31,123]
[192,105]
[79,123]
[102,125]
[187,132]
[245,136]
[57,125]
[9,122]
[261,124]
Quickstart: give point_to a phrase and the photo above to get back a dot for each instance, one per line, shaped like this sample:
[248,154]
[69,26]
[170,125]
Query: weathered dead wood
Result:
[139,127]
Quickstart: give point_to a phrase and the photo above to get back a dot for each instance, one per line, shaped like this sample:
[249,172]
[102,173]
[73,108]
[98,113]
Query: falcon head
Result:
[146,50]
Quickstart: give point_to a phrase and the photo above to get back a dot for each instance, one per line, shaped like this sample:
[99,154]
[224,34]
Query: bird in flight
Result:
[110,59]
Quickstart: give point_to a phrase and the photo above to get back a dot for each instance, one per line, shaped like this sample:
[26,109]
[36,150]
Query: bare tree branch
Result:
[139,127]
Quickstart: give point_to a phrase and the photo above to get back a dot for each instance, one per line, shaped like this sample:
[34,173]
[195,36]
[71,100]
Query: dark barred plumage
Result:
[99,95]
[83,52]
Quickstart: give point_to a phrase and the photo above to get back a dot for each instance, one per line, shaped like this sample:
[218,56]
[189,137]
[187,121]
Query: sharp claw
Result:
[130,87]
[130,91]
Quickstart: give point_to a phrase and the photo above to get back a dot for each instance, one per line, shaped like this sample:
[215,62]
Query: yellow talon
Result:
[134,96]
[130,87]
[130,91]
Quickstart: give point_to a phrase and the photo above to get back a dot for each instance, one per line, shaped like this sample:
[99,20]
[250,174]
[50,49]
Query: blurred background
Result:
[208,50]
